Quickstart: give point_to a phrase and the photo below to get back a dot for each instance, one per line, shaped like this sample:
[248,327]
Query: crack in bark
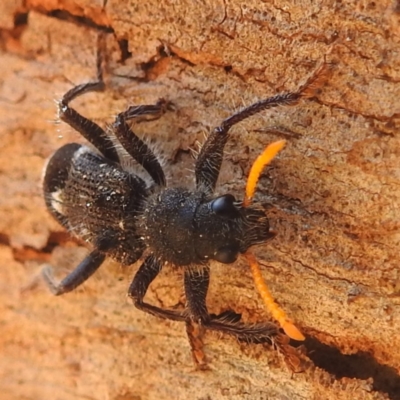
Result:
[360,365]
[79,20]
[95,17]
[373,117]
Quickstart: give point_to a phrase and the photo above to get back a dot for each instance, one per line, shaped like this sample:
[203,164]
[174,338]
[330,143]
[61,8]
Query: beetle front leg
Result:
[209,160]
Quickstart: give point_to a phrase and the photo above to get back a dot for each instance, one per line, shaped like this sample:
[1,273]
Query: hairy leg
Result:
[100,139]
[209,160]
[134,146]
[196,286]
[92,132]
[138,288]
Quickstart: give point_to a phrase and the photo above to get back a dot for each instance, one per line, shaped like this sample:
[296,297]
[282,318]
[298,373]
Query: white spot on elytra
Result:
[56,201]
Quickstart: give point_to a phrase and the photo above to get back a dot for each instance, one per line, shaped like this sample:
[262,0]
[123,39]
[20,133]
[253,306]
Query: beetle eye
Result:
[227,254]
[225,207]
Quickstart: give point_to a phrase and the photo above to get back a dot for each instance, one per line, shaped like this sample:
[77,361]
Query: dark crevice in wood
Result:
[28,253]
[79,20]
[149,66]
[179,155]
[182,59]
[58,238]
[20,19]
[13,34]
[124,49]
[4,239]
[361,365]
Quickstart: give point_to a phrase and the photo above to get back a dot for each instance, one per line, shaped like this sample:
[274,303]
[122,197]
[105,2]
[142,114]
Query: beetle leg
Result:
[80,274]
[138,288]
[209,160]
[196,286]
[134,146]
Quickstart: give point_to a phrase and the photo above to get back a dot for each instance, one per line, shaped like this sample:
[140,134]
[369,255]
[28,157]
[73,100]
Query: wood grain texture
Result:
[333,195]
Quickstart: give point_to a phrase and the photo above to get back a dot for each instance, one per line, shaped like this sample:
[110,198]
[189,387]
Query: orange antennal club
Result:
[262,160]
[286,324]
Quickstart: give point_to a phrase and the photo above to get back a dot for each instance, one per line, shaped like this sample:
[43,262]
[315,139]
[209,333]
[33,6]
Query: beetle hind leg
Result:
[80,274]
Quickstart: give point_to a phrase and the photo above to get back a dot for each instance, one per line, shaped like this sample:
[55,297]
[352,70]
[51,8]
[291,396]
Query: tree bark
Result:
[333,195]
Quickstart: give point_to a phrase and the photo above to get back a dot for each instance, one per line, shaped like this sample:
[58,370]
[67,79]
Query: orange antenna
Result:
[262,160]
[286,324]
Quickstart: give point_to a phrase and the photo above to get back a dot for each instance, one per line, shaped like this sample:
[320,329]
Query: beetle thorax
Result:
[167,225]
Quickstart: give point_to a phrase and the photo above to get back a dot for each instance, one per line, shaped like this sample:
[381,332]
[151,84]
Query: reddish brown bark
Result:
[334,195]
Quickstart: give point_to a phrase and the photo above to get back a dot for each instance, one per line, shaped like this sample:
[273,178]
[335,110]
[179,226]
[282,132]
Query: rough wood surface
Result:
[333,195]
